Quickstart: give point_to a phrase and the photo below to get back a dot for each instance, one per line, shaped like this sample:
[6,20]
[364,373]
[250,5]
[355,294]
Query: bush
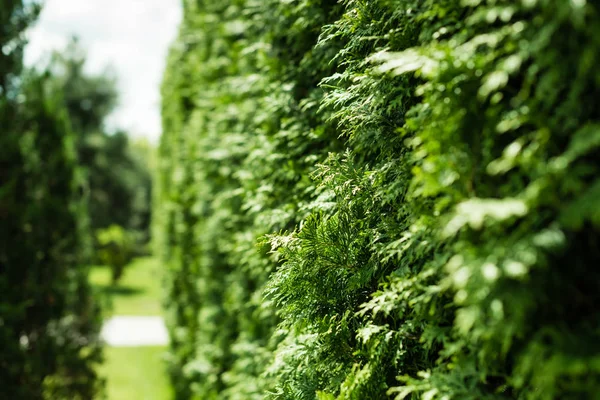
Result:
[425,176]
[116,249]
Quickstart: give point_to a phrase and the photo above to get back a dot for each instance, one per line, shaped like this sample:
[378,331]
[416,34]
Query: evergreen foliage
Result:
[48,321]
[421,180]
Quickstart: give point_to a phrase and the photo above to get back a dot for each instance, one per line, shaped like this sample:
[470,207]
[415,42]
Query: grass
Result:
[133,373]
[137,293]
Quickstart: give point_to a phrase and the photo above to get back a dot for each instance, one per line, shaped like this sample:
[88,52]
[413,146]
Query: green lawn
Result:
[138,292]
[133,373]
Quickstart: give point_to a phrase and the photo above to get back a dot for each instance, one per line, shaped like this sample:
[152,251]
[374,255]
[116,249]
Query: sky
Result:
[131,36]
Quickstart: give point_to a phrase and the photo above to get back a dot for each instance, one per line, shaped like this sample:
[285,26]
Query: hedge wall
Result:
[382,199]
[48,323]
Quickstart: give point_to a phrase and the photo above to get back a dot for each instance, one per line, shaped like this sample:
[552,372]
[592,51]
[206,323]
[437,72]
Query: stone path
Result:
[135,331]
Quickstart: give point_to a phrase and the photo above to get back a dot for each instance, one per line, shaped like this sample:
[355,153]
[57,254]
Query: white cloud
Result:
[131,35]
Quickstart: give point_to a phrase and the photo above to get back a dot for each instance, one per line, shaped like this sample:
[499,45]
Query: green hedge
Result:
[421,180]
[48,322]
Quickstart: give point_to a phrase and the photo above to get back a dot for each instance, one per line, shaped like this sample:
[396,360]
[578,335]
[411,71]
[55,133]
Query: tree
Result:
[118,181]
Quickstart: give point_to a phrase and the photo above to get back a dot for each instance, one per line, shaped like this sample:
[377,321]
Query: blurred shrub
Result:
[116,249]
[426,175]
[49,324]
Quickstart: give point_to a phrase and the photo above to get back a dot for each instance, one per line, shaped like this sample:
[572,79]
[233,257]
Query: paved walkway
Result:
[135,331]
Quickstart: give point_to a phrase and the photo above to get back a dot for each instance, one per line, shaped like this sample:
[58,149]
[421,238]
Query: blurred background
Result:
[80,115]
